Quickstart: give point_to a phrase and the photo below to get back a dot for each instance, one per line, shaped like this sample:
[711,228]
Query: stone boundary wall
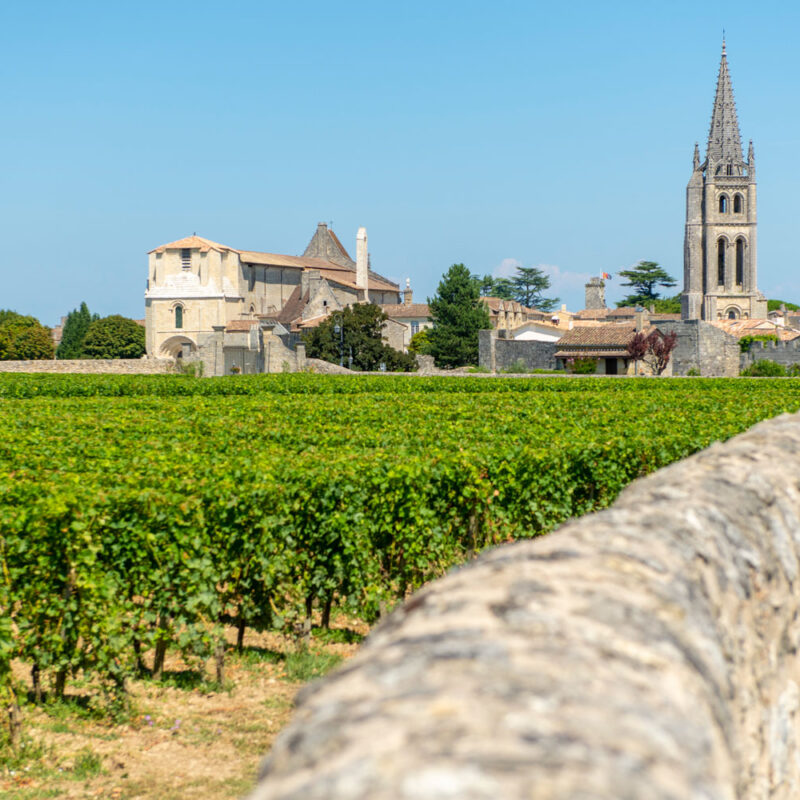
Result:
[702,348]
[497,353]
[647,652]
[119,366]
[786,353]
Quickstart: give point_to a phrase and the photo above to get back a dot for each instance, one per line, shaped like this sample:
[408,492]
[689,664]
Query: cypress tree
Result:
[75,329]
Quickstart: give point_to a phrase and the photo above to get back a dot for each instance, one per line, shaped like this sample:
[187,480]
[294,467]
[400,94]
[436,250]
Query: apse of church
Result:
[720,255]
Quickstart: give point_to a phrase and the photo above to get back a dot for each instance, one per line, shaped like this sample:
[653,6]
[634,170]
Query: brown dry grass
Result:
[178,742]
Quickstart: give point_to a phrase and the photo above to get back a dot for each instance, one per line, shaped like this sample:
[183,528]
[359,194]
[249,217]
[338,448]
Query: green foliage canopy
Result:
[775,305]
[644,277]
[458,314]
[23,338]
[360,337]
[114,337]
[75,329]
[526,286]
[420,342]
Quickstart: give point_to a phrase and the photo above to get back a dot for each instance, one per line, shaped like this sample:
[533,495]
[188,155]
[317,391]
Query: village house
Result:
[607,345]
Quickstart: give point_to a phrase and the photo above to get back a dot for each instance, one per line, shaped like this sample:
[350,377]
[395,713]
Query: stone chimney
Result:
[408,297]
[640,317]
[362,264]
[595,294]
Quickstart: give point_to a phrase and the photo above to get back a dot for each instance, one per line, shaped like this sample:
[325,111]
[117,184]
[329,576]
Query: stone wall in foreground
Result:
[648,652]
[120,366]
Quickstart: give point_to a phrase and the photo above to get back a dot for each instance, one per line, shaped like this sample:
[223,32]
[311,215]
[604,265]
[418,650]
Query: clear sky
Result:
[490,133]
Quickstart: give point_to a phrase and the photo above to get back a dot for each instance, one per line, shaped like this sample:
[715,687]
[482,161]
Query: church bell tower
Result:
[719,258]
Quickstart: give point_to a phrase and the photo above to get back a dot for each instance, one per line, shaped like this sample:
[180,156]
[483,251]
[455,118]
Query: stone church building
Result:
[720,256]
[230,308]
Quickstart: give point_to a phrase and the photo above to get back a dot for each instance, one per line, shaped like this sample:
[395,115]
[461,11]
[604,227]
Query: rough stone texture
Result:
[704,348]
[595,292]
[326,368]
[648,652]
[496,353]
[122,366]
[786,353]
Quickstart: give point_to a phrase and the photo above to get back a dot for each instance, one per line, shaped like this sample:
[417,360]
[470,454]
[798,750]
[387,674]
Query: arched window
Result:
[731,314]
[721,261]
[730,169]
[739,262]
[723,204]
[738,204]
[178,316]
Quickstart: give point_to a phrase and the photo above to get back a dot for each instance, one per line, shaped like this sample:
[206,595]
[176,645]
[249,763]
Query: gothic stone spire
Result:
[724,152]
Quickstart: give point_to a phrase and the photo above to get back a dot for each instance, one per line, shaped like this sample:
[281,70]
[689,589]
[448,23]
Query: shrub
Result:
[765,369]
[582,366]
[517,368]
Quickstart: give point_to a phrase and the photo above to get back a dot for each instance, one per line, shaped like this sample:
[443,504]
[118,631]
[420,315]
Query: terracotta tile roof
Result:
[280,260]
[539,323]
[312,322]
[194,242]
[619,352]
[411,310]
[755,327]
[241,324]
[347,277]
[600,336]
[293,307]
[344,276]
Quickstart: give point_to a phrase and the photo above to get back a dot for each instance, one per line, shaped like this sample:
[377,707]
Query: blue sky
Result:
[497,133]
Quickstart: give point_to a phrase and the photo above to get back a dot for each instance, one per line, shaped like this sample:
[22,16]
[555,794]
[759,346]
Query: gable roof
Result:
[325,244]
[194,242]
[421,310]
[613,336]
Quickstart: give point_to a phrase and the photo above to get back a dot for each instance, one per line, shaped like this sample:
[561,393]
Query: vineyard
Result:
[141,514]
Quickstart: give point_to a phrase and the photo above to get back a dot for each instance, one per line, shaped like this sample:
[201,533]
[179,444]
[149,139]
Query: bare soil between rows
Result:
[185,738]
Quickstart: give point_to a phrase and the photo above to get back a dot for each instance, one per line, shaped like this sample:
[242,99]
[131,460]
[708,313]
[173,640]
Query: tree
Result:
[75,329]
[525,286]
[637,349]
[114,337]
[644,277]
[458,314]
[654,349]
[528,285]
[23,338]
[360,336]
[775,305]
[420,343]
[660,348]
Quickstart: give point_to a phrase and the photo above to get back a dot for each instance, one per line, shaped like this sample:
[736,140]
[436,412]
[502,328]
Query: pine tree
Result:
[644,277]
[75,329]
[528,285]
[458,314]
